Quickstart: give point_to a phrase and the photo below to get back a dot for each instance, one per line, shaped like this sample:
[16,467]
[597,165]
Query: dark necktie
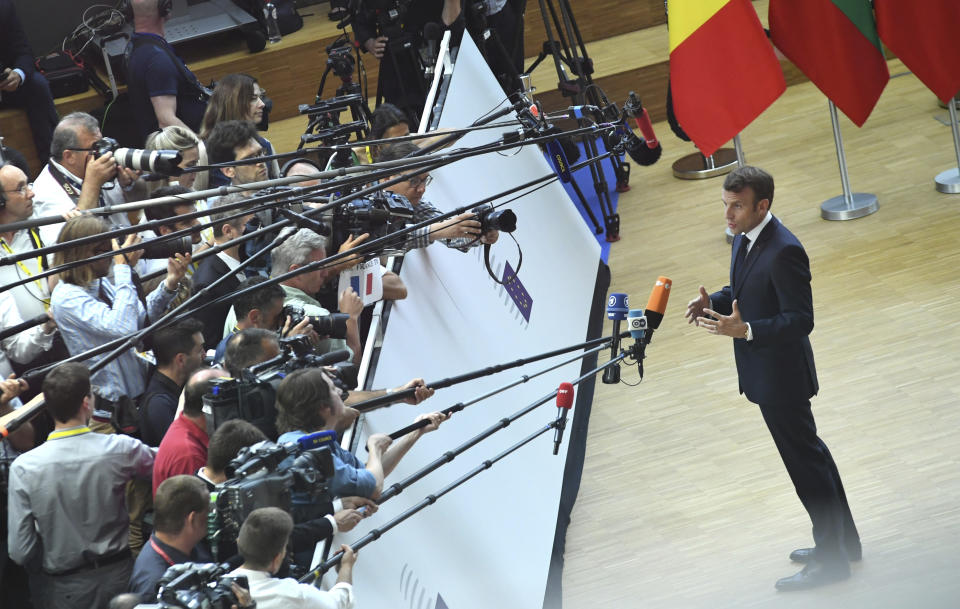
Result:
[740,261]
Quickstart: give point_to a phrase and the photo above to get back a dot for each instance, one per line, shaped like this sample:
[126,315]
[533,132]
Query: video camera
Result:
[188,585]
[266,475]
[253,396]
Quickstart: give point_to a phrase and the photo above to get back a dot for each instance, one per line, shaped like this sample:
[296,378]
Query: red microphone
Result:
[564,402]
[641,117]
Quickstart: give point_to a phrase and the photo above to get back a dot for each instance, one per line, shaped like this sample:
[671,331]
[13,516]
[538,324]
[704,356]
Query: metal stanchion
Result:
[847,206]
[948,182]
[698,167]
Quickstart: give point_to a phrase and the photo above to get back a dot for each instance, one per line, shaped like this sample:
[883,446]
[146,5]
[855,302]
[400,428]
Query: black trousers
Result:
[815,478]
[34,96]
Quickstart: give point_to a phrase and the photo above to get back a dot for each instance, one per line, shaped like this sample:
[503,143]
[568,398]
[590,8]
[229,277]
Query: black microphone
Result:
[432,33]
[617,306]
[304,222]
[564,402]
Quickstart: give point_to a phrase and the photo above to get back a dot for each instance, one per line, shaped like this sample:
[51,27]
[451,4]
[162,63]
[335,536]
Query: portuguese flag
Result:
[924,36]
[835,43]
[723,71]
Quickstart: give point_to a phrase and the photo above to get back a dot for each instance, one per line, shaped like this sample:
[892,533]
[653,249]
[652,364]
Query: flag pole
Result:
[849,205]
[948,182]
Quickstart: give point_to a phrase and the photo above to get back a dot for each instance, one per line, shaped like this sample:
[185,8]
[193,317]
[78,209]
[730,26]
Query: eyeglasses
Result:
[258,96]
[22,190]
[420,181]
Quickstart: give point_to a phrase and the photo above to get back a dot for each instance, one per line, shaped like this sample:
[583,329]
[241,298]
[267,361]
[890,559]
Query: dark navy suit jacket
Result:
[773,294]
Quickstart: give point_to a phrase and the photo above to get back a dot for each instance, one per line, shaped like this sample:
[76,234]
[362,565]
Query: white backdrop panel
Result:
[487,543]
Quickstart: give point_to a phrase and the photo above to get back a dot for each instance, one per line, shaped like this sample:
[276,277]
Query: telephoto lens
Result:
[157,249]
[495,219]
[165,162]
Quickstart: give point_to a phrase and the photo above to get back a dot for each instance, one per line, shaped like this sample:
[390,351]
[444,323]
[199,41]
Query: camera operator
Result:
[308,401]
[91,309]
[183,449]
[263,542]
[170,214]
[460,232]
[76,177]
[67,498]
[395,37]
[180,511]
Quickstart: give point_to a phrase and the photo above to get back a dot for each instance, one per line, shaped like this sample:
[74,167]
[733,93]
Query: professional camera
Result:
[268,475]
[166,162]
[253,396]
[492,218]
[380,215]
[340,58]
[333,325]
[188,585]
[166,248]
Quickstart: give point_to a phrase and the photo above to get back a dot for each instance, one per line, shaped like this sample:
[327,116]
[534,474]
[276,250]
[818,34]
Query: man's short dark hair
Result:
[263,536]
[299,399]
[227,135]
[245,348]
[165,212]
[392,152]
[261,299]
[751,177]
[229,439]
[194,391]
[175,499]
[64,389]
[174,339]
[386,116]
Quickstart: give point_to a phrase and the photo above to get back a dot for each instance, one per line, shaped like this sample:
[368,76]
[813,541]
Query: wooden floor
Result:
[684,502]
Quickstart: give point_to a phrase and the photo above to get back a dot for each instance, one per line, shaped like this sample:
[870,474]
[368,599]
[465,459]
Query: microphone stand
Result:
[461,405]
[377,402]
[396,488]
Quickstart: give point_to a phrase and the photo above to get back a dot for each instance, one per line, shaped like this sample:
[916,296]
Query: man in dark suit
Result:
[768,310]
[21,86]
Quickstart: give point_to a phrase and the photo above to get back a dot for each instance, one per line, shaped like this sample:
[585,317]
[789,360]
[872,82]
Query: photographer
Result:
[78,177]
[263,542]
[308,401]
[262,308]
[459,232]
[90,309]
[180,510]
[395,37]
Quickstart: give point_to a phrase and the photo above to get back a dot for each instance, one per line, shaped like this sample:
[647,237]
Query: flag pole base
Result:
[698,167]
[839,208]
[948,182]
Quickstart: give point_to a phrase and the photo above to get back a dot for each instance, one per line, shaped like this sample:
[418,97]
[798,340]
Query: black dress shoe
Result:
[814,574]
[805,555]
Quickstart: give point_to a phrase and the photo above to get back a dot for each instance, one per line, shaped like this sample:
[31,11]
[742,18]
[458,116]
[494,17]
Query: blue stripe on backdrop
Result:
[585,181]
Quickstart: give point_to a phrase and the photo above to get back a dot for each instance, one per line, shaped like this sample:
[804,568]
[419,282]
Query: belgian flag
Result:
[835,43]
[723,71]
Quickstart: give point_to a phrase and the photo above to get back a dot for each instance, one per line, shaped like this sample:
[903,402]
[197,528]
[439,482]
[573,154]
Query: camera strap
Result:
[506,280]
[68,185]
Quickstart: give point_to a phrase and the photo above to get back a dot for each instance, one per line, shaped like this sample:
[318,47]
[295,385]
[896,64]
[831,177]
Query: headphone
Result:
[164,8]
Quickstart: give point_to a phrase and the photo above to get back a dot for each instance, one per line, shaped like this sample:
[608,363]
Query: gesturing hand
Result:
[726,325]
[696,306]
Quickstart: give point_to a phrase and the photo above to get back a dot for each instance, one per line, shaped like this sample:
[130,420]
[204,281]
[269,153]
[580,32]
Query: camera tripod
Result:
[569,52]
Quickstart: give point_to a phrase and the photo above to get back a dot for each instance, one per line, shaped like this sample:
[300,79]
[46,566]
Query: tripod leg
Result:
[585,205]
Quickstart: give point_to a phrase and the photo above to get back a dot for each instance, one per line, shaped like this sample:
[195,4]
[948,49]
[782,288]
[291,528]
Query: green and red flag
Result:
[723,71]
[835,43]
[924,36]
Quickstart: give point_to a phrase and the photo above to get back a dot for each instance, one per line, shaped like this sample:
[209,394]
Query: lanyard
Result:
[66,433]
[36,241]
[159,550]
